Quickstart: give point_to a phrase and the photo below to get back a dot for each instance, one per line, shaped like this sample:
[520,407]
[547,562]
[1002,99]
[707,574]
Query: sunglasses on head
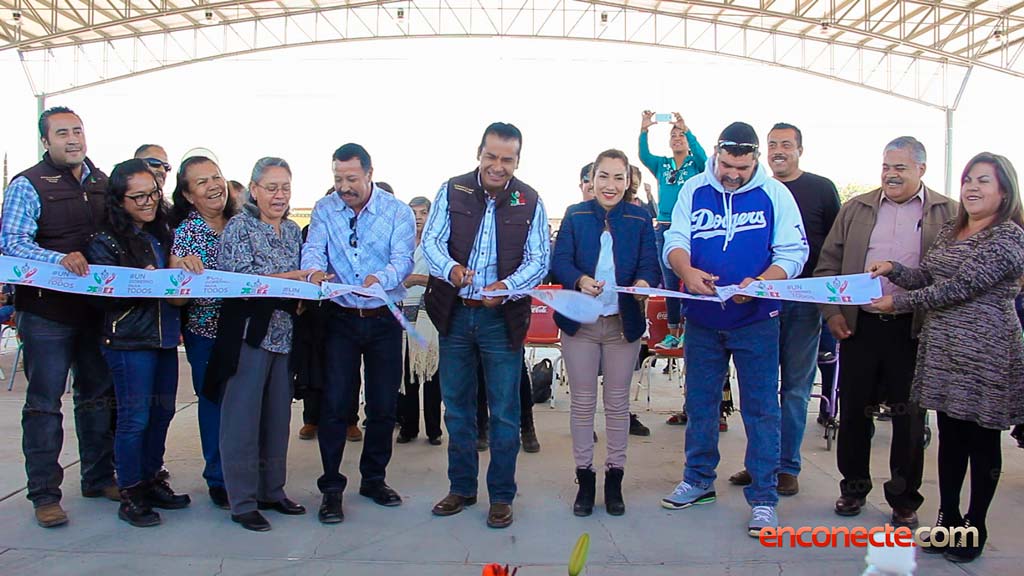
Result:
[736,148]
[157,163]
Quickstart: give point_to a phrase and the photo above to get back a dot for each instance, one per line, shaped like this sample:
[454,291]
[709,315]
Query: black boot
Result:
[528,436]
[613,502]
[160,495]
[944,520]
[587,479]
[966,549]
[134,508]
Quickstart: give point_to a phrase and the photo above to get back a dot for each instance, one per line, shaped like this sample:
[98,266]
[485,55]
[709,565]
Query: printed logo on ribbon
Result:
[255,288]
[765,290]
[178,283]
[838,288]
[101,282]
[24,273]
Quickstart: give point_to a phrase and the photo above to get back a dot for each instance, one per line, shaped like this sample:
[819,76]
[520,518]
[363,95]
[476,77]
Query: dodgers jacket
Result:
[736,235]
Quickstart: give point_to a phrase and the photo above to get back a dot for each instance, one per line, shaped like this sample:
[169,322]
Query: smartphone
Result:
[663,118]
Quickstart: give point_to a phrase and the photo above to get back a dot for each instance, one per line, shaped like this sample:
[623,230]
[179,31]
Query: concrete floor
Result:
[408,540]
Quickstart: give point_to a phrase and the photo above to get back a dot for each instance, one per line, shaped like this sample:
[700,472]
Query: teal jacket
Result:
[663,169]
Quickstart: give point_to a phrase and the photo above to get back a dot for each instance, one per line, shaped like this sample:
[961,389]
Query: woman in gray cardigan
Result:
[970,362]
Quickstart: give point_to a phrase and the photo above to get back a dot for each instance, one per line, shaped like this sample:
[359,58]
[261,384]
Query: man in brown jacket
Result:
[898,222]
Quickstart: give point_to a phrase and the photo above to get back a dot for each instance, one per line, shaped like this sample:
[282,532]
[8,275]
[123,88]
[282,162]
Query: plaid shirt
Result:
[484,256]
[385,238]
[20,222]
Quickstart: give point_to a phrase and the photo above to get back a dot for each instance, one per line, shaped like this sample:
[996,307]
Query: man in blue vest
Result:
[733,224]
[487,231]
[50,211]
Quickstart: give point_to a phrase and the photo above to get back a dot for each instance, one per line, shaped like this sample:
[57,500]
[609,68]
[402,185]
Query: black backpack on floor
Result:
[541,377]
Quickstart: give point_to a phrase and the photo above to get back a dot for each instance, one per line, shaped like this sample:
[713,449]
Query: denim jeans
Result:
[145,384]
[799,332]
[480,335]
[755,352]
[377,341]
[50,350]
[673,305]
[197,350]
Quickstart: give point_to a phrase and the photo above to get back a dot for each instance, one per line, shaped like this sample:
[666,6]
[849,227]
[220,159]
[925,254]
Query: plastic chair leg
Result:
[14,368]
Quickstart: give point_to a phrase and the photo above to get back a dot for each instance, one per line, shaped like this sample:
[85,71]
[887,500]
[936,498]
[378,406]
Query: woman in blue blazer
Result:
[603,243]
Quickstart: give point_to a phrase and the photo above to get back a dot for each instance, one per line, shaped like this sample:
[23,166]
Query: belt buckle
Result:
[886,317]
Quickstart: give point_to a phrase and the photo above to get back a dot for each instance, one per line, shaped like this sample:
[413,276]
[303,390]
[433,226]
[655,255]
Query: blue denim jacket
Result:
[578,246]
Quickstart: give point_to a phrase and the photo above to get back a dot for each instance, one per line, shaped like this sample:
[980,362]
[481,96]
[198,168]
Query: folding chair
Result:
[657,328]
[8,331]
[544,333]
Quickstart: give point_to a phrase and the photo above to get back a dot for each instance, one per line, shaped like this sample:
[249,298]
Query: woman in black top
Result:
[140,341]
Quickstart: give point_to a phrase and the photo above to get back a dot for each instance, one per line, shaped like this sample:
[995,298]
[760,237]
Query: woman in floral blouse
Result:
[970,362]
[254,341]
[202,207]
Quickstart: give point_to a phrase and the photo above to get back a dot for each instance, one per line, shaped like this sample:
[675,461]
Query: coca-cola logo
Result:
[539,309]
[663,316]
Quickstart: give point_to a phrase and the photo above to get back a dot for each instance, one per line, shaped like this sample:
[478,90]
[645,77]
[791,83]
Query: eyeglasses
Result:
[673,176]
[146,197]
[157,163]
[737,148]
[353,241]
[274,188]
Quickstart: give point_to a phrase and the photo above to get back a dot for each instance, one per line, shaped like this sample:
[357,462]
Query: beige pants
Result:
[600,344]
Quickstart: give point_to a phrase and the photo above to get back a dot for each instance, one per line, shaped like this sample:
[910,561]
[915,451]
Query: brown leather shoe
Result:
[904,517]
[452,504]
[354,434]
[111,492]
[50,515]
[499,516]
[849,505]
[787,485]
[307,432]
[741,478]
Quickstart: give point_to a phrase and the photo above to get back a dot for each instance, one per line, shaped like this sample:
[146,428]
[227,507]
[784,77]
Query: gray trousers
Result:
[255,414]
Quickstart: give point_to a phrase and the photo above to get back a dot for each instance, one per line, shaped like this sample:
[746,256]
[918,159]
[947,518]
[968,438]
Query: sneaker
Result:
[762,517]
[668,343]
[686,495]
[636,427]
[678,418]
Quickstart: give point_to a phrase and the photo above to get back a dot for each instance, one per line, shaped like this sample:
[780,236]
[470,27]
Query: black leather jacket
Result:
[128,323]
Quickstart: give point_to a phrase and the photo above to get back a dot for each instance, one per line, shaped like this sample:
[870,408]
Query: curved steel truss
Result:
[916,49]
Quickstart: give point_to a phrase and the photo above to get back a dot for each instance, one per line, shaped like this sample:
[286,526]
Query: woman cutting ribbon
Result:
[603,243]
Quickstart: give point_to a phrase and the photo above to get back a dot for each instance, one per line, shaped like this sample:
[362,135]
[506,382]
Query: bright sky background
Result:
[420,106]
